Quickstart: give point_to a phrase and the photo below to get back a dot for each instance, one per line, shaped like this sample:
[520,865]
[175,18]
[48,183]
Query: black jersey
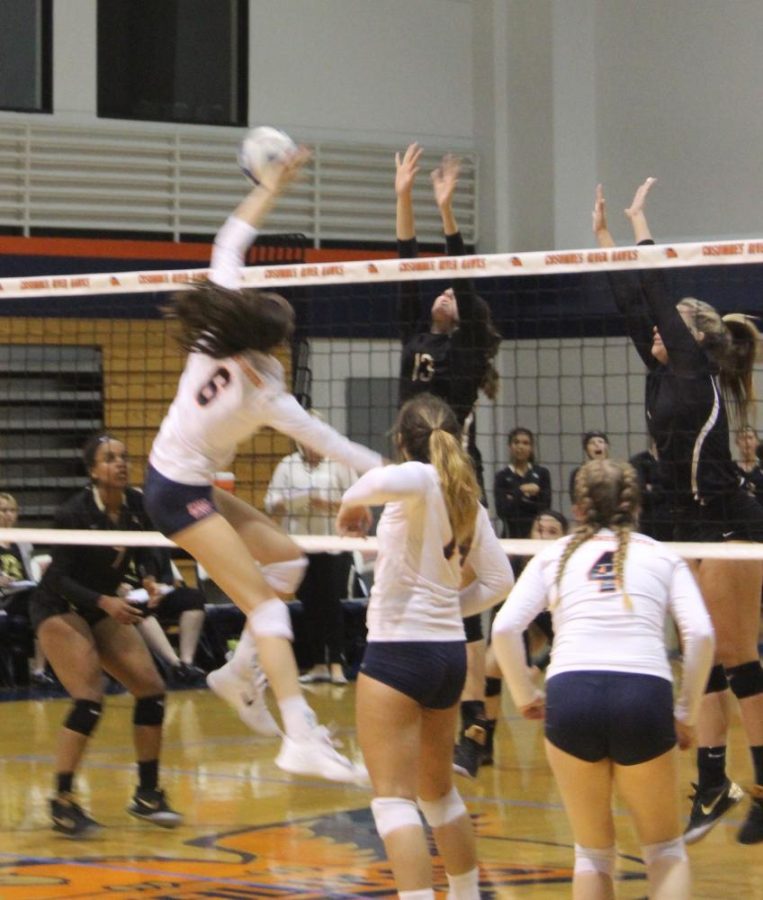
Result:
[752,481]
[82,574]
[452,366]
[515,508]
[685,409]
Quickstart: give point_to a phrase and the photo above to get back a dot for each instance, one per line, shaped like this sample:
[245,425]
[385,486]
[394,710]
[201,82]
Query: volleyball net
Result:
[86,352]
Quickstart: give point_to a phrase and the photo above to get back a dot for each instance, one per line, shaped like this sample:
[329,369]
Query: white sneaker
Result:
[315,754]
[247,697]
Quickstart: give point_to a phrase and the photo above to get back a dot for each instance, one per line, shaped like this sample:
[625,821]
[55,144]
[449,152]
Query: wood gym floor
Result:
[253,832]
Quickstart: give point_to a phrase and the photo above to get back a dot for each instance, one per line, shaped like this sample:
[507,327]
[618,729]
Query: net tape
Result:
[387,270]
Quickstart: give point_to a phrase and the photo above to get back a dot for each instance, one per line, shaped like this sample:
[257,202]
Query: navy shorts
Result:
[432,673]
[736,516]
[172,506]
[625,717]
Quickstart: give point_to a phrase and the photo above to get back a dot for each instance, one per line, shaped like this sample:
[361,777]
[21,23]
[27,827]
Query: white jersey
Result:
[295,484]
[221,402]
[415,594]
[596,629]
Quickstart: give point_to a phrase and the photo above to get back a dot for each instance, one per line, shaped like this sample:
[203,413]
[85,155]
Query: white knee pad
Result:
[271,619]
[654,852]
[446,809]
[285,577]
[391,813]
[592,861]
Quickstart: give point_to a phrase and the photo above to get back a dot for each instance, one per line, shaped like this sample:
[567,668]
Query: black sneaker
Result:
[751,831]
[708,807]
[187,674]
[151,806]
[70,819]
[467,756]
[42,679]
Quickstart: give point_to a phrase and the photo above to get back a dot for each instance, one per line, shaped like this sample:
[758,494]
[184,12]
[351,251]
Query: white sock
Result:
[246,649]
[465,886]
[424,894]
[298,719]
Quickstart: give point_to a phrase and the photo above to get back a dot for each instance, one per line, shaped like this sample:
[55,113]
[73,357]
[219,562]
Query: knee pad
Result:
[716,681]
[285,577]
[593,861]
[746,680]
[391,813]
[271,619]
[149,710]
[473,628]
[446,809]
[83,716]
[493,687]
[652,853]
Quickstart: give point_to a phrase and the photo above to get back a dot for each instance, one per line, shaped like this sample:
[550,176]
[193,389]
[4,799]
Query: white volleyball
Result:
[263,145]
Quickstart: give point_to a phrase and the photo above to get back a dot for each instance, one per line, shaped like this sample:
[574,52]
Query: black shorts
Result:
[432,673]
[736,516]
[43,605]
[172,506]
[627,718]
[176,602]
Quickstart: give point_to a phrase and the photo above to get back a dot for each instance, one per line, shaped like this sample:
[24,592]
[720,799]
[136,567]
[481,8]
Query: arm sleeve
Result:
[686,355]
[229,252]
[495,577]
[697,641]
[386,485]
[472,309]
[66,562]
[287,416]
[630,301]
[503,494]
[408,296]
[543,500]
[527,599]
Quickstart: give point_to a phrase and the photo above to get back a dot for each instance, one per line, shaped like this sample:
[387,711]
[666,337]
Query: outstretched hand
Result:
[406,168]
[599,214]
[281,172]
[445,179]
[639,198]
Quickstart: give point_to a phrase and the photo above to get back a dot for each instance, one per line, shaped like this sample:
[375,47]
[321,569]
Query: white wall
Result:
[554,95]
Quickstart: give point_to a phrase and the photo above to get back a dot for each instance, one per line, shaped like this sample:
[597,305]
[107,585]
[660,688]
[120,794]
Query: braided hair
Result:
[607,496]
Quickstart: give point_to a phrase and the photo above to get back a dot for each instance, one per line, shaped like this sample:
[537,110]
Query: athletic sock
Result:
[711,765]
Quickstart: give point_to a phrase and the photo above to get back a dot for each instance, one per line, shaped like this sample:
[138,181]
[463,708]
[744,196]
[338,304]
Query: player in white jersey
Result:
[609,710]
[433,536]
[232,386]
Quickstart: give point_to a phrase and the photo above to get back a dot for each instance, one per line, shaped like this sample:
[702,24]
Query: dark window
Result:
[173,60]
[26,55]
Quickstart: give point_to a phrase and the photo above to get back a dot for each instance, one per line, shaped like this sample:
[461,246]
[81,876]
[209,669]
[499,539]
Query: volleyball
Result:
[261,146]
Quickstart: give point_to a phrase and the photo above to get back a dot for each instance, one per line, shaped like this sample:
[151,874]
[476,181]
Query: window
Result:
[173,60]
[26,55]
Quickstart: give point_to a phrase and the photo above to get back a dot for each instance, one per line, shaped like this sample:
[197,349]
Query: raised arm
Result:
[409,312]
[599,216]
[240,228]
[635,212]
[444,181]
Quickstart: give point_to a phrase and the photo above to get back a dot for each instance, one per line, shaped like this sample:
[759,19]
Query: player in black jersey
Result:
[700,374]
[747,463]
[448,350]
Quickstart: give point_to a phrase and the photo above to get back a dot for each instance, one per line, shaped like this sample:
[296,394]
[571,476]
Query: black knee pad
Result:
[473,628]
[149,710]
[83,716]
[717,680]
[493,687]
[746,680]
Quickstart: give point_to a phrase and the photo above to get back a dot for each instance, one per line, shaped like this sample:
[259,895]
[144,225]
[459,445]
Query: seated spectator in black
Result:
[84,627]
[523,488]
[595,446]
[656,516]
[16,586]
[748,461]
[171,603]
